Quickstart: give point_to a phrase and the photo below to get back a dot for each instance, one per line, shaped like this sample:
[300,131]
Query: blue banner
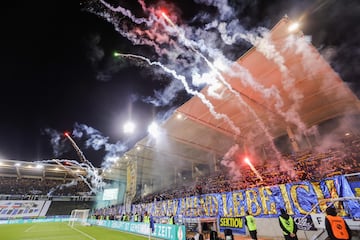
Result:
[297,198]
[354,183]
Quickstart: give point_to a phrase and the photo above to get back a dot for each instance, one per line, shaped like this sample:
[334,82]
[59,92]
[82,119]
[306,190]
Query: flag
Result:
[152,225]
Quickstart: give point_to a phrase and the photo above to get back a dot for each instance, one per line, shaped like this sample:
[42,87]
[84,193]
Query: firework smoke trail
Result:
[143,5]
[155,39]
[267,48]
[74,174]
[61,186]
[90,168]
[191,44]
[92,179]
[96,184]
[96,141]
[309,58]
[153,34]
[188,43]
[247,161]
[169,20]
[126,13]
[188,90]
[263,45]
[134,37]
[78,151]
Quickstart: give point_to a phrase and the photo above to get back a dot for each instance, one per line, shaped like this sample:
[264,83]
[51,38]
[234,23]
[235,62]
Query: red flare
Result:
[163,12]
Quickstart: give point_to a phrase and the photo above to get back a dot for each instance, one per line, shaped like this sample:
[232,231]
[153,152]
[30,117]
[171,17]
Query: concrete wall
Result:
[269,228]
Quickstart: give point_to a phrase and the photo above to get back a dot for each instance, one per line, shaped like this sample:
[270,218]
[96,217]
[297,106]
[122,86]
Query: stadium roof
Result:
[54,171]
[265,92]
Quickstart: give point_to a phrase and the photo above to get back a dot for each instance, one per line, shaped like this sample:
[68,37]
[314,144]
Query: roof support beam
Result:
[197,120]
[173,154]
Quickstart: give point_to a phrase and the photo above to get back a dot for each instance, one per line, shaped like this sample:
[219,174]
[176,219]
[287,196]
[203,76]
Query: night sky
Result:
[58,69]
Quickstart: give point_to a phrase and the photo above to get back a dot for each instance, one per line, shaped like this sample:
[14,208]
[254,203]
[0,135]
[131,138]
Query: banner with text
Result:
[163,231]
[237,225]
[23,208]
[296,198]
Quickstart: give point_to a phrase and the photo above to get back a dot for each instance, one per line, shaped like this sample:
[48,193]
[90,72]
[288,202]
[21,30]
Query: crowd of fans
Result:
[307,165]
[113,212]
[32,186]
[117,212]
[301,166]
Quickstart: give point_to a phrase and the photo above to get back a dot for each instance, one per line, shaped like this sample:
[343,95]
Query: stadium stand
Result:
[306,165]
[203,140]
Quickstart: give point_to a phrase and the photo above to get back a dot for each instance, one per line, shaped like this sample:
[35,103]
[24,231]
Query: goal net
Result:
[79,216]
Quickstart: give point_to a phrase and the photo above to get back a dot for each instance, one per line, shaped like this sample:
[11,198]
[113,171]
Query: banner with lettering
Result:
[23,208]
[237,225]
[35,220]
[163,231]
[297,198]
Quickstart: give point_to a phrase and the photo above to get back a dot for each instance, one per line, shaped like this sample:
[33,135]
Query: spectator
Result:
[336,226]
[251,225]
[171,219]
[287,225]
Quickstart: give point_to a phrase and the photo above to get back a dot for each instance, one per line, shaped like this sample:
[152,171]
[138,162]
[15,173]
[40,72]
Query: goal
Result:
[79,216]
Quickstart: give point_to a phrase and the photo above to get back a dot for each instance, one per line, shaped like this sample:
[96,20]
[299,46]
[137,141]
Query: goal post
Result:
[79,216]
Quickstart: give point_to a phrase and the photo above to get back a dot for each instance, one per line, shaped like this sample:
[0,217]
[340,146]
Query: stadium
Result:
[263,146]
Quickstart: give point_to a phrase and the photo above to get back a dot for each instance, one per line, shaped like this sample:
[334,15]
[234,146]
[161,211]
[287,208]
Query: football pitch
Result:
[61,231]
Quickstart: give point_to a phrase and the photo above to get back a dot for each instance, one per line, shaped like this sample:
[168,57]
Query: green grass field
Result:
[61,231]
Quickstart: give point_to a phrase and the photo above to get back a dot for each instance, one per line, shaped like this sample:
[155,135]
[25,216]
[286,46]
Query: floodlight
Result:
[129,127]
[154,130]
[294,27]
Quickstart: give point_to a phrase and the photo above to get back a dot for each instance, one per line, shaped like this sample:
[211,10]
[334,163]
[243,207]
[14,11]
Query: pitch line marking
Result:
[85,234]
[30,228]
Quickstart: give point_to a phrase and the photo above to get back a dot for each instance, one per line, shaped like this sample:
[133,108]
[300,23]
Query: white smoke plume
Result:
[191,40]
[94,139]
[57,141]
[194,56]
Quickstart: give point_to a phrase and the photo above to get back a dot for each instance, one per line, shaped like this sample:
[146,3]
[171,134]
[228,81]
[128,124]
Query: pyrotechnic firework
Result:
[188,89]
[80,153]
[77,149]
[168,19]
[260,43]
[247,161]
[92,178]
[170,41]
